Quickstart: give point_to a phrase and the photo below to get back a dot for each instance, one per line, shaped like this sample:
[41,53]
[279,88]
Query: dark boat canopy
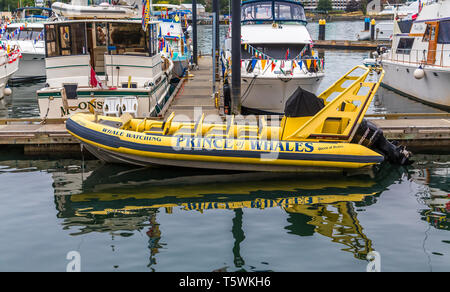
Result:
[272,11]
[303,103]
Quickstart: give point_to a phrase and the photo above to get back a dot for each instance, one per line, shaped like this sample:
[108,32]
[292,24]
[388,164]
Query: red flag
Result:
[273,65]
[287,54]
[94,82]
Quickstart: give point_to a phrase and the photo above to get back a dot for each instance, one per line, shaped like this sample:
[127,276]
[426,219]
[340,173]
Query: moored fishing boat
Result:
[327,138]
[93,61]
[276,55]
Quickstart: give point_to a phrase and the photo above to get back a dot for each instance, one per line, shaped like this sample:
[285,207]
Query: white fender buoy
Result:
[419,73]
[7,91]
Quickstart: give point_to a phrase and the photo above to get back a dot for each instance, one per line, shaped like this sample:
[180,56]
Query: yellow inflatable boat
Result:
[323,142]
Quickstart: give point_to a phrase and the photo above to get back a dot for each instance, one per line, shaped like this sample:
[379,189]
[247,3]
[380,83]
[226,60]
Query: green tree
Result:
[363,6]
[353,5]
[324,5]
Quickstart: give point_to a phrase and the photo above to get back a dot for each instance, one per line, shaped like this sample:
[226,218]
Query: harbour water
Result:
[141,219]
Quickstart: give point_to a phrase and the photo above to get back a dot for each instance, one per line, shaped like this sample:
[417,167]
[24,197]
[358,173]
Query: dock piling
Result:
[194,32]
[236,56]
[322,23]
[366,23]
[372,30]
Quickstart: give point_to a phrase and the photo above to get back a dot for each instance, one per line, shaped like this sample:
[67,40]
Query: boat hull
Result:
[432,89]
[32,67]
[269,95]
[51,103]
[121,146]
[179,67]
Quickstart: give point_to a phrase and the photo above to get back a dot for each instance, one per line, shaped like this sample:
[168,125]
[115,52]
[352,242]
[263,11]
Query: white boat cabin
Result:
[116,50]
[274,28]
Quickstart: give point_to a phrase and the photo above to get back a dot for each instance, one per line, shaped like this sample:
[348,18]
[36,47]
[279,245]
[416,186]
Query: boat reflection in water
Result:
[435,195]
[119,200]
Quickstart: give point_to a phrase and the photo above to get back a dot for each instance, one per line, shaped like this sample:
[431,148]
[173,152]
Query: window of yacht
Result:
[127,39]
[256,11]
[405,45]
[289,11]
[444,32]
[153,39]
[65,39]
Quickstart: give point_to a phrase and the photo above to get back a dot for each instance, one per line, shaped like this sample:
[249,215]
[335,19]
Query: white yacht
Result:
[26,31]
[277,55]
[103,64]
[9,64]
[418,65]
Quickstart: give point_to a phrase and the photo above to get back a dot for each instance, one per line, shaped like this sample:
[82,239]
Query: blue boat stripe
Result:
[116,142]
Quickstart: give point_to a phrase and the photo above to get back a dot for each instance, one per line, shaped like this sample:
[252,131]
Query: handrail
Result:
[420,57]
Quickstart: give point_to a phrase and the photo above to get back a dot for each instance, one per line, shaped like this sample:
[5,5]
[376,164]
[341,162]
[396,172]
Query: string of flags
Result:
[10,35]
[285,66]
[12,53]
[260,55]
[165,45]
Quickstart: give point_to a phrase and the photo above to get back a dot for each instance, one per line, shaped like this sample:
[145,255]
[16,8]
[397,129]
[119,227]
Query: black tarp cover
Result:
[444,32]
[303,103]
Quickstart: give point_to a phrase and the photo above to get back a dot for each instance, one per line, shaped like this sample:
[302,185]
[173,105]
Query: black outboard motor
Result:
[369,135]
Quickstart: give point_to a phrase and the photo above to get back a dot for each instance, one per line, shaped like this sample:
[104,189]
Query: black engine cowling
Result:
[369,135]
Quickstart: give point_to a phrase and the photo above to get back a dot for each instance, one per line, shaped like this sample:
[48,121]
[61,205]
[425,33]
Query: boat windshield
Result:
[23,35]
[269,11]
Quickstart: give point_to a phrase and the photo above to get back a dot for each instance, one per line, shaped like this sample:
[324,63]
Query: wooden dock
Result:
[422,133]
[350,45]
[195,93]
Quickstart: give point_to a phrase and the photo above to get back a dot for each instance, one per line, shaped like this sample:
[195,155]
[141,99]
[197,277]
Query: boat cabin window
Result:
[257,11]
[444,32]
[100,34]
[127,39]
[23,35]
[404,46]
[430,33]
[65,39]
[289,11]
[261,11]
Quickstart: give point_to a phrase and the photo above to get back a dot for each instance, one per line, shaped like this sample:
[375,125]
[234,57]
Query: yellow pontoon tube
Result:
[323,142]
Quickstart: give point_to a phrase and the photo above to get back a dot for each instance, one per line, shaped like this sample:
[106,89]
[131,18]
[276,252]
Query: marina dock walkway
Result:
[195,93]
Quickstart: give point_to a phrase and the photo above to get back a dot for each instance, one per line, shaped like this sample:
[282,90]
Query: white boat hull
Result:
[270,94]
[52,107]
[32,66]
[6,71]
[432,89]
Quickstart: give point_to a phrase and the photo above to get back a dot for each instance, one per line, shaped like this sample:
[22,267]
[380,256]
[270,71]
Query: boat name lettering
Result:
[112,132]
[82,106]
[223,144]
[130,135]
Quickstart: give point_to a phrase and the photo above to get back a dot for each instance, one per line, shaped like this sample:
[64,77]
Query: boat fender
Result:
[419,73]
[7,91]
[369,135]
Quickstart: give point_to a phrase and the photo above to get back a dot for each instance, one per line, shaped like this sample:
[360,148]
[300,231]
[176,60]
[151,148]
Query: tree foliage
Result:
[324,5]
[353,5]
